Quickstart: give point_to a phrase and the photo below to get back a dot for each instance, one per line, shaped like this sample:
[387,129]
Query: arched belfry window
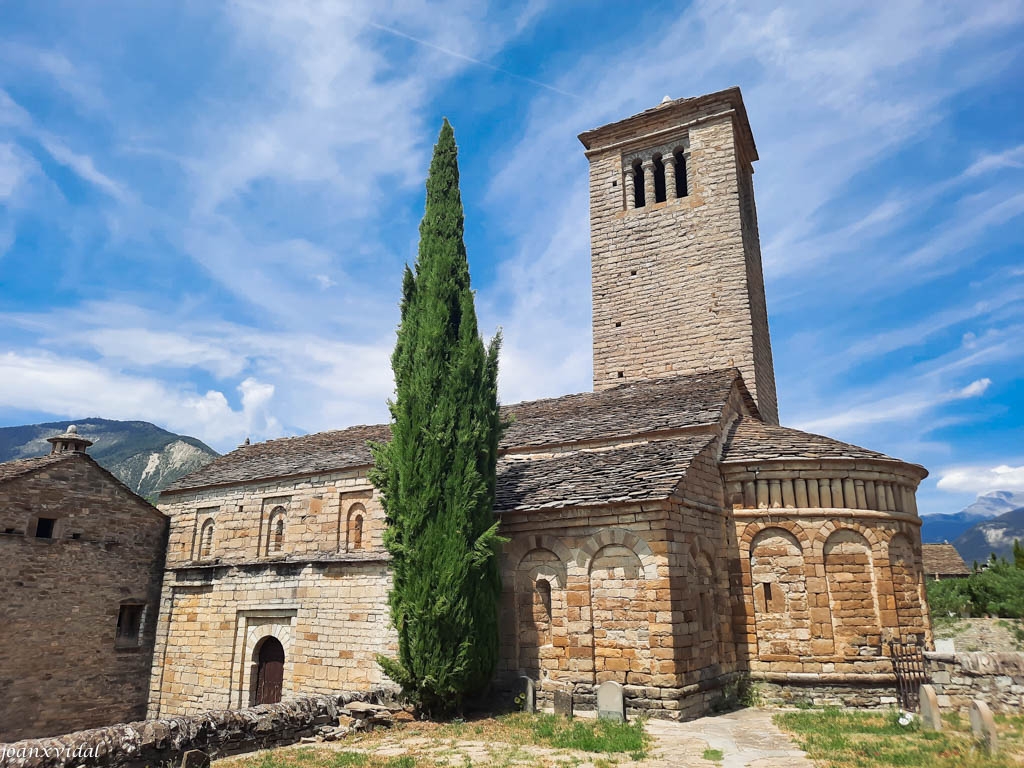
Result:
[659,180]
[681,188]
[276,530]
[206,540]
[638,185]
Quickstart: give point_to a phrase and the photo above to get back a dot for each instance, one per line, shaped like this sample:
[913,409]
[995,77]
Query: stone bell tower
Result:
[675,254]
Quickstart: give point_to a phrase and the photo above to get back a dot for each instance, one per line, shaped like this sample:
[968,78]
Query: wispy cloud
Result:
[982,479]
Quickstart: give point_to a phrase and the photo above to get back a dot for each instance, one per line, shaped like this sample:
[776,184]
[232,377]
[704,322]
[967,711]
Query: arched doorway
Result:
[269,672]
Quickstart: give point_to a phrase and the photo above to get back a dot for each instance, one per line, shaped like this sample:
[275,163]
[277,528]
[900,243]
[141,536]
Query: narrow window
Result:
[638,184]
[206,540]
[659,180]
[279,534]
[275,531]
[356,534]
[681,190]
[129,624]
[767,595]
[44,527]
[544,588]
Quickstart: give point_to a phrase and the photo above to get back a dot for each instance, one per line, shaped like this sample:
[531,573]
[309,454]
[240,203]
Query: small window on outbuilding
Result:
[44,527]
[129,624]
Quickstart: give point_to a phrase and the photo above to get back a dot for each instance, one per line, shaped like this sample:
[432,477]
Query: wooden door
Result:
[270,672]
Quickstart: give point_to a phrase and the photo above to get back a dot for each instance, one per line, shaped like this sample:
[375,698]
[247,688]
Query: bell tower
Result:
[675,254]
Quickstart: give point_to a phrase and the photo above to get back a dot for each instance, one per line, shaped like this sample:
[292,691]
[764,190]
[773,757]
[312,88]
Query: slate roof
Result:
[944,560]
[753,440]
[671,403]
[643,472]
[12,469]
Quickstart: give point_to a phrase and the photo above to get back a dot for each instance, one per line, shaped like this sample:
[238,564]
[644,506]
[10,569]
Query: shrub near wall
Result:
[160,742]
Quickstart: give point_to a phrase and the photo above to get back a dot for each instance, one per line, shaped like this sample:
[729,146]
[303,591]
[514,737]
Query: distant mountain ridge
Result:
[979,541]
[936,529]
[141,455]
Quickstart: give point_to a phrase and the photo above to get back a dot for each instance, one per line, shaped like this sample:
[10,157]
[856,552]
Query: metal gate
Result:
[908,665]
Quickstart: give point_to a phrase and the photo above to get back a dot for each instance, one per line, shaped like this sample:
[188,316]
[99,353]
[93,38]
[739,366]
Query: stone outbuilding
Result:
[665,531]
[81,559]
[942,561]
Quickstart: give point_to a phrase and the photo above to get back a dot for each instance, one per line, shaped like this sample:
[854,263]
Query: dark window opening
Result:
[638,185]
[129,624]
[767,593]
[9,530]
[615,182]
[44,527]
[618,325]
[659,181]
[76,535]
[632,272]
[681,190]
[622,375]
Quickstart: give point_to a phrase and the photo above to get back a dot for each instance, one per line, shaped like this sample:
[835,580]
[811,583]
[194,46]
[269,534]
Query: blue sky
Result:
[204,207]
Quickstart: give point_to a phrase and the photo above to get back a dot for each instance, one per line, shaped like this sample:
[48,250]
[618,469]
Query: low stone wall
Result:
[877,693]
[162,742]
[995,678]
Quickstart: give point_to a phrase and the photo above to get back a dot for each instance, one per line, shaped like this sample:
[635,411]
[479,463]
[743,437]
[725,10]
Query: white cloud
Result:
[974,389]
[982,479]
[1010,158]
[75,388]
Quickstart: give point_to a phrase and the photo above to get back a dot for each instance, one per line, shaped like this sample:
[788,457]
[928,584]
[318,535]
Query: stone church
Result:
[666,532]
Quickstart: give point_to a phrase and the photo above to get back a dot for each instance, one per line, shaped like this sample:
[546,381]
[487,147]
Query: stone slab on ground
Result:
[747,738]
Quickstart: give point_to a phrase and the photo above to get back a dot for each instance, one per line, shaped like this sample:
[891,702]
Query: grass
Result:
[713,755]
[837,738]
[509,741]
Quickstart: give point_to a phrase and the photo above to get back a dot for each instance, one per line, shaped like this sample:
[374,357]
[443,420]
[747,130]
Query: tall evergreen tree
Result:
[437,475]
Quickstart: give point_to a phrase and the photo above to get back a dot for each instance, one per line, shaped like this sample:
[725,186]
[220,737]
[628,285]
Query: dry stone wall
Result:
[63,665]
[164,741]
[995,678]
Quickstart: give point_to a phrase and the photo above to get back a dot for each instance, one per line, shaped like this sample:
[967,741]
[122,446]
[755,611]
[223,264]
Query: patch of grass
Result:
[714,755]
[582,735]
[850,739]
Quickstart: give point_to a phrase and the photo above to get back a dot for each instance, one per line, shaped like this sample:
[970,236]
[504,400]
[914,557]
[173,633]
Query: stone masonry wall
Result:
[823,591]
[164,741]
[677,285]
[635,593]
[62,666]
[995,678]
[318,588]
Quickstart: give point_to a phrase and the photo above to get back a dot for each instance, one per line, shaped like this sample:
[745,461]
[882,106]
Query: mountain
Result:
[995,535]
[936,529]
[141,455]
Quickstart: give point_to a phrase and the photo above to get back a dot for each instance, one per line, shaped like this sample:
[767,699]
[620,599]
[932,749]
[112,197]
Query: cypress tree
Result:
[436,477]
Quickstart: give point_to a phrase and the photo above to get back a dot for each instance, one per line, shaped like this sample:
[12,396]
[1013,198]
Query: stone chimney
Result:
[69,442]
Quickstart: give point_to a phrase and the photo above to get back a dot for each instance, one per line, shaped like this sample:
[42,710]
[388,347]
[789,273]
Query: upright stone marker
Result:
[931,718]
[983,725]
[611,702]
[528,694]
[563,702]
